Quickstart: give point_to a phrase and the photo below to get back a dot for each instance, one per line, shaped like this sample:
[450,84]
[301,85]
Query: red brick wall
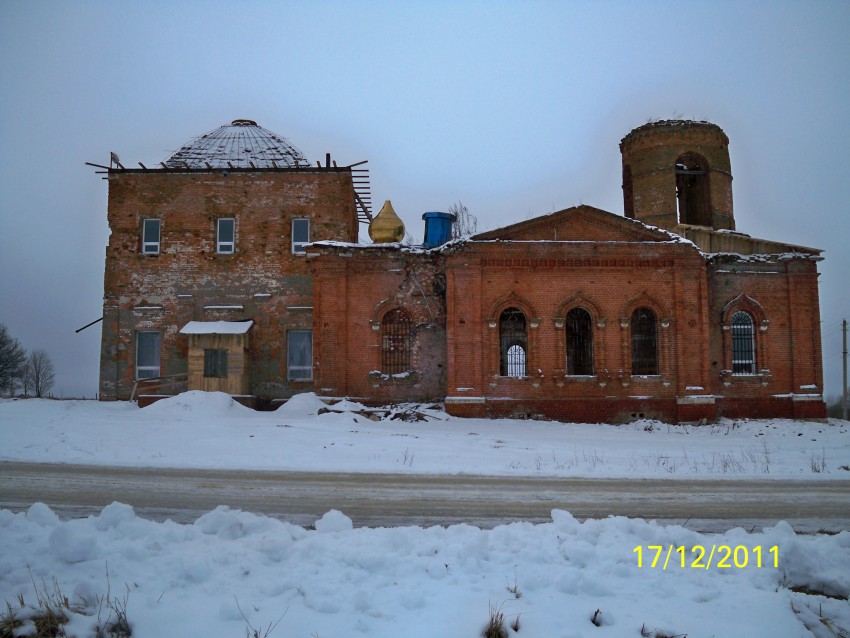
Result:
[354,286]
[272,286]
[782,297]
[353,289]
[546,280]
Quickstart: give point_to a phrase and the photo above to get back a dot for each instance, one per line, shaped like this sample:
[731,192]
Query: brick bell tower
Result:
[678,172]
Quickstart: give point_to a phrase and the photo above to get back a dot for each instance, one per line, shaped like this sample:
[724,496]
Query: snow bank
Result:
[333,521]
[302,405]
[200,404]
[216,432]
[183,580]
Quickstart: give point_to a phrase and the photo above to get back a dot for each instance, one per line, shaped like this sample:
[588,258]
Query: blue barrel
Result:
[438,228]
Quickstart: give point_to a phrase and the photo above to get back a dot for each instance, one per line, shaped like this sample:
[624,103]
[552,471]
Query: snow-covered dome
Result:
[240,144]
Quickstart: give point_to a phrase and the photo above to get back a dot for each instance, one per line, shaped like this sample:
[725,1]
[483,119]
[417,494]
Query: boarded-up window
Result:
[148,348]
[395,342]
[215,363]
[513,343]
[743,344]
[299,355]
[579,342]
[644,342]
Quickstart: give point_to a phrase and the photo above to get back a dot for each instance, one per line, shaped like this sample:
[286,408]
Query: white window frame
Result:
[225,247]
[142,372]
[298,246]
[151,247]
[295,372]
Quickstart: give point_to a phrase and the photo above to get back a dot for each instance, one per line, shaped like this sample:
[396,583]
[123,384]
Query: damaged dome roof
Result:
[240,144]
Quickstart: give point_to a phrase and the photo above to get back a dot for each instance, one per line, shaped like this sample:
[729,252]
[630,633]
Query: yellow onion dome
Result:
[386,227]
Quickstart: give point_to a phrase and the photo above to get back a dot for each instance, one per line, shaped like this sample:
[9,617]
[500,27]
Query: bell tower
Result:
[678,172]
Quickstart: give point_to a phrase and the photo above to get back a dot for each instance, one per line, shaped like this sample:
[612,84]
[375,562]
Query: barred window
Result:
[743,344]
[215,363]
[579,342]
[395,342]
[513,343]
[644,342]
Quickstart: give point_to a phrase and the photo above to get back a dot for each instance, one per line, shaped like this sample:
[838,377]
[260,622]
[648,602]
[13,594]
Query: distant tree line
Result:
[27,374]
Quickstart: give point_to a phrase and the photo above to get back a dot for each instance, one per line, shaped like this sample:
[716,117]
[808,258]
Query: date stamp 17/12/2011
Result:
[701,557]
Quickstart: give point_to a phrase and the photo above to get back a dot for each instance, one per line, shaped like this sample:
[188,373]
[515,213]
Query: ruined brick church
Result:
[235,266]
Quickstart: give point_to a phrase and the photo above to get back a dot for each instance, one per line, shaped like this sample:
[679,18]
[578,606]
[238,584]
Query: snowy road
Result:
[395,499]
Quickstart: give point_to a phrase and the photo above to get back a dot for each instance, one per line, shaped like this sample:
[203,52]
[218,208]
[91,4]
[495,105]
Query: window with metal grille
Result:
[299,355]
[579,342]
[644,342]
[215,363]
[148,348]
[513,343]
[150,236]
[225,235]
[743,344]
[395,342]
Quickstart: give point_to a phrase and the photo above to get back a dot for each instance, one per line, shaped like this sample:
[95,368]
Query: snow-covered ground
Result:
[231,568]
[199,430]
[192,580]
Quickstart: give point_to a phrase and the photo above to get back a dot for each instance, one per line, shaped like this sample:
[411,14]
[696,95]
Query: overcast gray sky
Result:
[515,108]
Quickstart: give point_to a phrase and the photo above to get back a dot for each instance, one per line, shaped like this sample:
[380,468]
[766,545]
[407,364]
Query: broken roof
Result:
[240,144]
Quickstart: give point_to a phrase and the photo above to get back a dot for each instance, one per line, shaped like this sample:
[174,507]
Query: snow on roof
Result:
[763,257]
[216,327]
[238,144]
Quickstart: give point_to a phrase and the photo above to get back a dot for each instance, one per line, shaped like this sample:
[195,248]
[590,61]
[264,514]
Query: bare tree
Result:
[12,356]
[41,372]
[25,377]
[466,224]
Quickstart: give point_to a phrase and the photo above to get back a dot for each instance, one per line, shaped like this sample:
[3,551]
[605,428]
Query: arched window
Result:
[743,344]
[579,342]
[692,190]
[513,343]
[395,342]
[644,342]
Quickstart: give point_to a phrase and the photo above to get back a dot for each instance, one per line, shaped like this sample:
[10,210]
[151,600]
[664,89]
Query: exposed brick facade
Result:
[684,319]
[189,280]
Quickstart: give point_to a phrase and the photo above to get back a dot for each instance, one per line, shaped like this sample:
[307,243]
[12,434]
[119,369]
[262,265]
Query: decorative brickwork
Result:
[580,315]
